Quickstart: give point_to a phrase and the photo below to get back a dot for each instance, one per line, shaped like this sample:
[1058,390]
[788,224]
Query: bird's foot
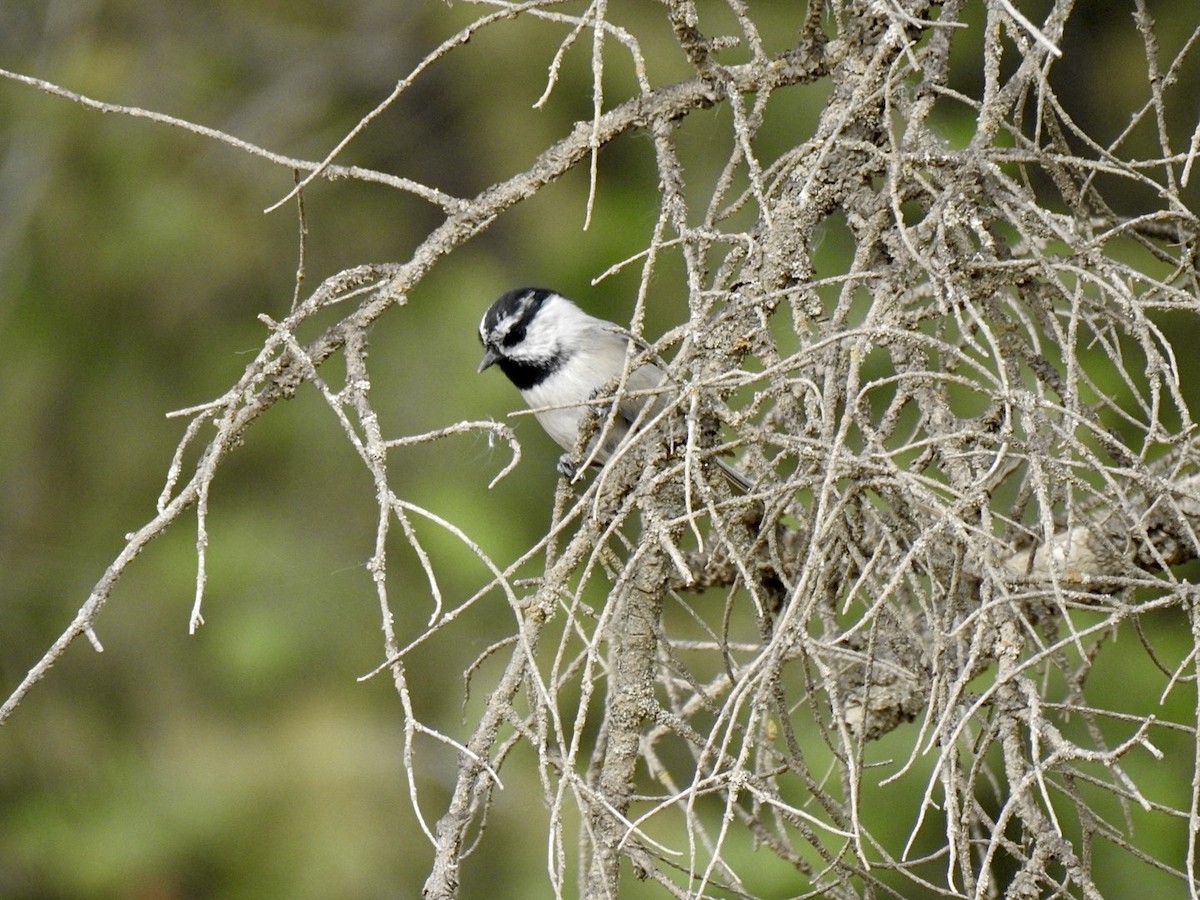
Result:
[566,468]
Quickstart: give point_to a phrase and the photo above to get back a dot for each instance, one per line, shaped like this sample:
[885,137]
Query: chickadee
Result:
[560,359]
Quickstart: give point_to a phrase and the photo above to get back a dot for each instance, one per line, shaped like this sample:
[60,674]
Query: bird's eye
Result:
[515,336]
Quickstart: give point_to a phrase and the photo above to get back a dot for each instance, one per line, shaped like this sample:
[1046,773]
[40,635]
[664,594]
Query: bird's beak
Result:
[490,358]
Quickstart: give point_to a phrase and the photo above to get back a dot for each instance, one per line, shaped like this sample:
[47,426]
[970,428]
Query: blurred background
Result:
[247,760]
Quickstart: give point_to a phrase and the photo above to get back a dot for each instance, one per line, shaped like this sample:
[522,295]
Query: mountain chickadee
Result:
[561,359]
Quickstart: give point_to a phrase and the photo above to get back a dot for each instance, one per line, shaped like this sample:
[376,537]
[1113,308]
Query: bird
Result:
[562,360]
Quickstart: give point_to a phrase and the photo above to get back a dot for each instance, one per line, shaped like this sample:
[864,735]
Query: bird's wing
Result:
[642,381]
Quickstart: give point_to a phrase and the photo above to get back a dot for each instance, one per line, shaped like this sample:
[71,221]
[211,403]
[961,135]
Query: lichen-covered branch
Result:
[951,373]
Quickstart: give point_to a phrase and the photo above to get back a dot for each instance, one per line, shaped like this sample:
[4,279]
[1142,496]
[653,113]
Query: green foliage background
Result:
[247,760]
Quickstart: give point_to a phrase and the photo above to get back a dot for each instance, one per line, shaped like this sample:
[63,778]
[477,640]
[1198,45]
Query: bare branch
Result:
[947,369]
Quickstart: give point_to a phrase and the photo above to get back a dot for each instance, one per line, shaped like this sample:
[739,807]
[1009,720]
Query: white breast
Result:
[560,401]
